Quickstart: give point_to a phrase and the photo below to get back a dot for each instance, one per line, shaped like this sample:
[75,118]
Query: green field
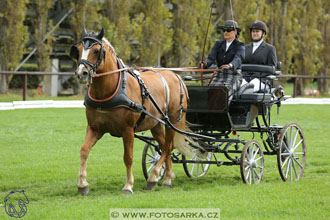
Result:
[39,153]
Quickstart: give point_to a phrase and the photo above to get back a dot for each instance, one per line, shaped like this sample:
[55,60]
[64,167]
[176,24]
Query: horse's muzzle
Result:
[82,74]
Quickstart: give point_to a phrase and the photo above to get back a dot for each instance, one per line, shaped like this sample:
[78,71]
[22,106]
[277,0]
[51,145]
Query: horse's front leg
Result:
[90,140]
[128,140]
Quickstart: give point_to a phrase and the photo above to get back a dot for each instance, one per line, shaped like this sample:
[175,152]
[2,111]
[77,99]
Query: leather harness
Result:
[120,98]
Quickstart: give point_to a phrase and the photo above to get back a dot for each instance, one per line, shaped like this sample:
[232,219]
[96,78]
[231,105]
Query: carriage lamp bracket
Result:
[278,107]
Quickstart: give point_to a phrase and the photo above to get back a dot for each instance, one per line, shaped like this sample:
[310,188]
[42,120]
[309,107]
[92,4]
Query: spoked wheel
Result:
[195,170]
[291,154]
[150,157]
[252,162]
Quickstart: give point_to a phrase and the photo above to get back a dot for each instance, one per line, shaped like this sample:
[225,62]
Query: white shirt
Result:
[256,45]
[228,44]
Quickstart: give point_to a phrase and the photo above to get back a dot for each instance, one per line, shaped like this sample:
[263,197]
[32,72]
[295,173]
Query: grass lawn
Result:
[39,153]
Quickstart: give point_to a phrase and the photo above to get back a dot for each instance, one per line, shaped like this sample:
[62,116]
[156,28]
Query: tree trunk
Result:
[3,84]
[322,84]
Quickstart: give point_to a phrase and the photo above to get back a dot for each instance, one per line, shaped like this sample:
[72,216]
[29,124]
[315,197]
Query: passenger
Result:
[258,52]
[228,55]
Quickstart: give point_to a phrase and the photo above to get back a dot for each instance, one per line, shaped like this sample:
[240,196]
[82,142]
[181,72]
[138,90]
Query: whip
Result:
[207,30]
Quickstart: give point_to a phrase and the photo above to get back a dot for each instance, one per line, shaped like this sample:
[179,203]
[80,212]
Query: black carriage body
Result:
[208,109]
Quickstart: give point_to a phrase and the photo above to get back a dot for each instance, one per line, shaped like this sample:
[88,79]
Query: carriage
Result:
[219,123]
[122,101]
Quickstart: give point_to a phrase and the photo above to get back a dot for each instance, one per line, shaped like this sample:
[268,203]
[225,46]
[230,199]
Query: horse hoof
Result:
[151,185]
[83,191]
[127,191]
[167,186]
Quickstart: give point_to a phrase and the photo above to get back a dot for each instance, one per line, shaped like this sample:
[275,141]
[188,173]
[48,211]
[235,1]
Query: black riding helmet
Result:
[259,25]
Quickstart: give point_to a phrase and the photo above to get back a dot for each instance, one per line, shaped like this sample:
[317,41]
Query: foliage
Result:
[85,12]
[13,35]
[324,27]
[119,27]
[156,36]
[190,20]
[172,32]
[42,25]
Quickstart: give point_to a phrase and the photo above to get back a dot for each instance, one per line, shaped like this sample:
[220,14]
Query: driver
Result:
[228,55]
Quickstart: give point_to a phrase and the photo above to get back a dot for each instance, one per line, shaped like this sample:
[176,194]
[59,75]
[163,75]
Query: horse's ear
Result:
[101,35]
[74,52]
[84,32]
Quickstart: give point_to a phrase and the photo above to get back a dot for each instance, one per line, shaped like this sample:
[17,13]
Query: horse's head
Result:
[90,54]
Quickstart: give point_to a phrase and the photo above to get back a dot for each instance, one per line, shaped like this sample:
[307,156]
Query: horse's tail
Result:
[185,144]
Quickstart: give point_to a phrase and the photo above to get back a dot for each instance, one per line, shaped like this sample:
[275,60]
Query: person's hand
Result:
[202,64]
[226,66]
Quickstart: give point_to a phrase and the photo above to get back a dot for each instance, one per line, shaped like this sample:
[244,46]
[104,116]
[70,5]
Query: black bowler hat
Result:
[230,24]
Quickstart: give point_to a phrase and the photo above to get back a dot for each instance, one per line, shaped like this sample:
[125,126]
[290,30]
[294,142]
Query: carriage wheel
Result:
[150,157]
[252,162]
[291,154]
[195,170]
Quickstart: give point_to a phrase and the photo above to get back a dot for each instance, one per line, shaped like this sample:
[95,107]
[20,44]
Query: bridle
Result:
[88,42]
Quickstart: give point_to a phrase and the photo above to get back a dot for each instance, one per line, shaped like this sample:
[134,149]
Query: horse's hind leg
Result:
[90,140]
[158,133]
[169,172]
[128,139]
[165,144]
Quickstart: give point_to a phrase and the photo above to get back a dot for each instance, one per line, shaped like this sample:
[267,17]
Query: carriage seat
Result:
[261,70]
[264,73]
[246,94]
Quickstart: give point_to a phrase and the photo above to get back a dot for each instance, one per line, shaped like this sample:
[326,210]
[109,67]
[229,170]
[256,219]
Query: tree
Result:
[42,25]
[324,25]
[85,12]
[155,37]
[190,20]
[306,60]
[120,29]
[13,36]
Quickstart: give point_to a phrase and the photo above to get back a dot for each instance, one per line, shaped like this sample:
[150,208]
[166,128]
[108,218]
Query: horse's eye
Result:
[96,51]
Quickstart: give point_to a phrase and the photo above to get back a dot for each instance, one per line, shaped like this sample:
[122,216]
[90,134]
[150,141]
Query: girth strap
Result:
[166,90]
[145,94]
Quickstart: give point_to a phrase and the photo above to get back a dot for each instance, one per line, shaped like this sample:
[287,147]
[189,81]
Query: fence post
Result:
[25,87]
[295,87]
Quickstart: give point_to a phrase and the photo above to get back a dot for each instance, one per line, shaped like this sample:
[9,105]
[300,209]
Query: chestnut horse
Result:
[95,55]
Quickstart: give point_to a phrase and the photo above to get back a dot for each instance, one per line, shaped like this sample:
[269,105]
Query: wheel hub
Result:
[157,157]
[253,164]
[292,154]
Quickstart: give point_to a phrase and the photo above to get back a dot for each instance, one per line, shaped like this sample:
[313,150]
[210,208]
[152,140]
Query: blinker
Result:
[89,42]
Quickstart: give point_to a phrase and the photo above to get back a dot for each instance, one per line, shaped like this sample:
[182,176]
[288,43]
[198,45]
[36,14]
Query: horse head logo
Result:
[11,201]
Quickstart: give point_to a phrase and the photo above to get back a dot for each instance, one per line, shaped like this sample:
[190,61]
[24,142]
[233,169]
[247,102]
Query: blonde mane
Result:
[109,45]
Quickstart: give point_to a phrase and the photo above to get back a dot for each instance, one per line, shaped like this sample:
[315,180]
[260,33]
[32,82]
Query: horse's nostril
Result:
[85,73]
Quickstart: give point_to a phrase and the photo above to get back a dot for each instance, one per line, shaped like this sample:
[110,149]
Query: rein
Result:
[182,69]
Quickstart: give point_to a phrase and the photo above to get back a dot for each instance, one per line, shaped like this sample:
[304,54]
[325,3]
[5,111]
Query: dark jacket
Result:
[265,54]
[234,55]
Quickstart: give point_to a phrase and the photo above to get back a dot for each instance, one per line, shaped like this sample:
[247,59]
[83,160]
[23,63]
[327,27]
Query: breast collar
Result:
[119,98]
